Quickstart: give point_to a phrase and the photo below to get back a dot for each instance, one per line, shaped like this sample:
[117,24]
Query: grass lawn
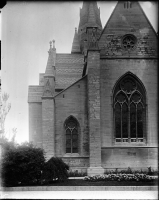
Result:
[76,182]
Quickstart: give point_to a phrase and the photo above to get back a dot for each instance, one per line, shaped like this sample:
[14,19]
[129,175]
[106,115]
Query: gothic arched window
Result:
[71,131]
[129,103]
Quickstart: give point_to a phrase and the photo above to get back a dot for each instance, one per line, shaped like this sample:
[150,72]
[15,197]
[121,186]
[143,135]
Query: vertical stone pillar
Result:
[48,126]
[48,119]
[94,112]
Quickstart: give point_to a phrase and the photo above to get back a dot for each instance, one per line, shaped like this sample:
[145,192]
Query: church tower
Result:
[89,17]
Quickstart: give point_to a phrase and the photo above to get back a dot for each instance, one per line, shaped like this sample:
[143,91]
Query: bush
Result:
[21,164]
[54,170]
[25,165]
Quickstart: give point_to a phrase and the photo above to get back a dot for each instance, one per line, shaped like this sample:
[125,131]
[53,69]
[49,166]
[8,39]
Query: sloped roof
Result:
[84,77]
[75,44]
[69,68]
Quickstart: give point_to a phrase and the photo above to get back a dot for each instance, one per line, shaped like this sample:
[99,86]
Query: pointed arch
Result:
[71,117]
[129,108]
[133,76]
[71,126]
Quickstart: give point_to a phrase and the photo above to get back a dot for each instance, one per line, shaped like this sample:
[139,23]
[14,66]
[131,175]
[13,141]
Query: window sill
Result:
[71,155]
[129,144]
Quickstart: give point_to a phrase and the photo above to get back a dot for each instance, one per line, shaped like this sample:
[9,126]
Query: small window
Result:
[130,5]
[127,4]
[71,128]
[129,42]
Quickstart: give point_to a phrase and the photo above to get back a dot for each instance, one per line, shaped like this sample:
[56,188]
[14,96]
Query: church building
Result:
[97,107]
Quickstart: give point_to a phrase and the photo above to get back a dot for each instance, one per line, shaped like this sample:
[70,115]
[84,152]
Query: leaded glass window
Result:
[129,42]
[129,110]
[71,128]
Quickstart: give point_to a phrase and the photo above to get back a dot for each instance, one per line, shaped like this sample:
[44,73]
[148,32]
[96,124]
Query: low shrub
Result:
[54,170]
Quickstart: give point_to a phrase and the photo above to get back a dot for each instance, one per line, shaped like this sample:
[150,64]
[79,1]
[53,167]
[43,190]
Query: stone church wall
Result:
[48,126]
[128,21]
[72,101]
[127,43]
[135,158]
[35,123]
[77,164]
[111,71]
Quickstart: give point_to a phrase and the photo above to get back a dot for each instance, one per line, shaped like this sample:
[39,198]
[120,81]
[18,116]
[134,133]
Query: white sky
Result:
[27,28]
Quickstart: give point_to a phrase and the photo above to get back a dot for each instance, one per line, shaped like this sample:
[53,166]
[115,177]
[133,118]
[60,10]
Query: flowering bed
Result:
[120,177]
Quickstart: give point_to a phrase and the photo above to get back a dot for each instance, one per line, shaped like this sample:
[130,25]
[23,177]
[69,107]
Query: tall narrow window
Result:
[129,110]
[127,4]
[71,128]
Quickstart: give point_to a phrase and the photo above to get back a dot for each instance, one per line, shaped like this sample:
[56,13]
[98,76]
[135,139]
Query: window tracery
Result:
[71,128]
[129,42]
[129,110]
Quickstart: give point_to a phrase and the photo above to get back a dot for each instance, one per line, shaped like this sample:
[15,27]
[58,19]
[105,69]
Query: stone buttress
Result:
[48,105]
[93,84]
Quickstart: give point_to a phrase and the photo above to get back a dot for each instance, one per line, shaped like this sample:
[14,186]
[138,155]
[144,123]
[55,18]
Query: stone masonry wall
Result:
[72,101]
[35,123]
[48,126]
[136,158]
[129,155]
[76,163]
[111,71]
[94,107]
[128,21]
